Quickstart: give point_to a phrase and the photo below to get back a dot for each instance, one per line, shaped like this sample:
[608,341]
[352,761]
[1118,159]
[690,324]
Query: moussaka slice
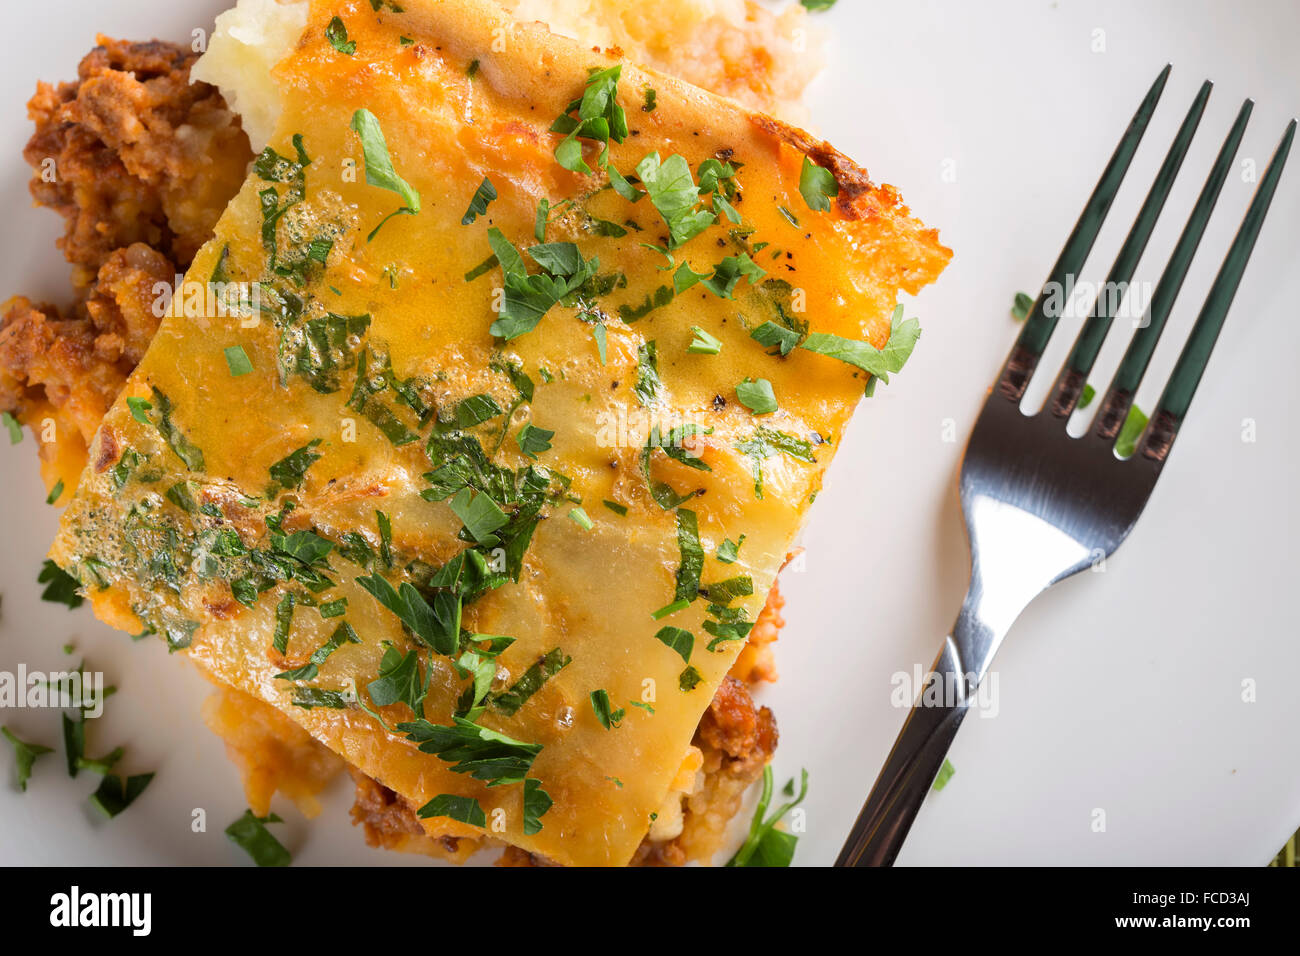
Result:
[475,438]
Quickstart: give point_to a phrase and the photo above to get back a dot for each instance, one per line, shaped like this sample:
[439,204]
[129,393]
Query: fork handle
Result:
[909,771]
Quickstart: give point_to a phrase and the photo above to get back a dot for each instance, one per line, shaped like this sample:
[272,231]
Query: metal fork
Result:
[1041,505]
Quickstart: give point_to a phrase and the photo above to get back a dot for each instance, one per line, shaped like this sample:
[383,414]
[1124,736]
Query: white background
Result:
[1120,691]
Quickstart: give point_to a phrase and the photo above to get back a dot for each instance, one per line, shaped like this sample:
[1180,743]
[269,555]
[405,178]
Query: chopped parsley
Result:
[309,698]
[767,442]
[182,497]
[726,631]
[379,166]
[614,506]
[25,755]
[319,349]
[529,297]
[648,385]
[817,186]
[237,361]
[509,701]
[1129,433]
[879,363]
[485,193]
[400,682]
[55,493]
[595,116]
[1086,397]
[703,343]
[463,809]
[482,753]
[337,34]
[11,425]
[480,514]
[692,556]
[729,272]
[536,802]
[677,639]
[770,335]
[604,710]
[673,446]
[649,103]
[343,634]
[60,586]
[1020,306]
[766,845]
[250,834]
[283,621]
[729,551]
[533,441]
[724,592]
[437,626]
[944,775]
[670,609]
[290,470]
[673,192]
[176,440]
[757,396]
[474,410]
[689,679]
[116,793]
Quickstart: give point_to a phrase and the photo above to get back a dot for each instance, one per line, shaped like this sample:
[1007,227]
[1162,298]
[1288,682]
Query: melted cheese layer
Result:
[590,592]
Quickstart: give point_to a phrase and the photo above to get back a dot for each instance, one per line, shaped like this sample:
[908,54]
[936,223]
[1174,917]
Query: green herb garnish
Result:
[766,845]
[817,186]
[379,166]
[509,701]
[604,710]
[250,834]
[60,586]
[337,34]
[677,639]
[879,363]
[116,793]
[673,192]
[463,809]
[1129,433]
[944,775]
[485,193]
[25,755]
[533,440]
[343,634]
[757,396]
[595,116]
[11,425]
[290,470]
[703,343]
[237,361]
[1020,306]
[729,551]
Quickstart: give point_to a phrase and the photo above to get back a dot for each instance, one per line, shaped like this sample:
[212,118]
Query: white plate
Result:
[1120,691]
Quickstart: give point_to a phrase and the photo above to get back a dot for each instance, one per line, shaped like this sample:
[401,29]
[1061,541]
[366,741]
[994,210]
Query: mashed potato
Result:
[735,48]
[250,39]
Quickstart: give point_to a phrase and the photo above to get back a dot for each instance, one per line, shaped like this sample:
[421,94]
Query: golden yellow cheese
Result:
[365,346]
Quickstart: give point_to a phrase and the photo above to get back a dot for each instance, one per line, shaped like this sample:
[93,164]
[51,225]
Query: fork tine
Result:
[1039,326]
[1113,409]
[1186,376]
[1070,382]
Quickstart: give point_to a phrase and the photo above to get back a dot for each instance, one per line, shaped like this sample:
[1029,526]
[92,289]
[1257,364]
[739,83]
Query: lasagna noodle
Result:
[146,551]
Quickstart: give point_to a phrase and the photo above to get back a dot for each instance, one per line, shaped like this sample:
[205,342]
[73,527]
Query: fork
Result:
[1039,504]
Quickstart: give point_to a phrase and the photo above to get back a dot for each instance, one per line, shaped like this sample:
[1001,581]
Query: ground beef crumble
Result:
[140,163]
